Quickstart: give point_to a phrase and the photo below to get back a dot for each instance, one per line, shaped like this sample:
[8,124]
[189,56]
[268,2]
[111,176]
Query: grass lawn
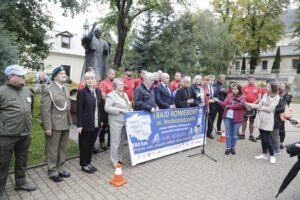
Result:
[37,147]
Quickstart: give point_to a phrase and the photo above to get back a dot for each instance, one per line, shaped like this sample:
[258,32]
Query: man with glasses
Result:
[15,127]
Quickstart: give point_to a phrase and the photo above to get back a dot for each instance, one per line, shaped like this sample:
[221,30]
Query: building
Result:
[66,51]
[289,56]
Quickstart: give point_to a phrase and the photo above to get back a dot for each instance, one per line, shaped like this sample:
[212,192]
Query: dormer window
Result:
[65,42]
[65,39]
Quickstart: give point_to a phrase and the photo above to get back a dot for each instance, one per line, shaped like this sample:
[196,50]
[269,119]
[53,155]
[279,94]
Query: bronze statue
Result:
[96,52]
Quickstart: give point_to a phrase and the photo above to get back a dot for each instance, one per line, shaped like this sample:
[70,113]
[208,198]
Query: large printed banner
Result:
[153,135]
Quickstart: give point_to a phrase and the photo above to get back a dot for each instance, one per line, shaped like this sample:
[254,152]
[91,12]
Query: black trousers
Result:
[282,132]
[19,146]
[220,111]
[212,116]
[266,142]
[103,130]
[86,145]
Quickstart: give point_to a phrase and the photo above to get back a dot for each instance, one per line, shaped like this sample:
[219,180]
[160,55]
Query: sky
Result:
[75,25]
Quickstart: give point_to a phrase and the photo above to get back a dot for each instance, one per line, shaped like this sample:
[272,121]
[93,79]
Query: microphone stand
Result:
[204,139]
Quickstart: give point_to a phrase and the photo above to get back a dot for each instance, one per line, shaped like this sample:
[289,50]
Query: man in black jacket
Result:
[144,98]
[186,96]
[163,93]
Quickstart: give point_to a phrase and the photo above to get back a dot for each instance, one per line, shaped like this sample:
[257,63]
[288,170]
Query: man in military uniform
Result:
[15,127]
[55,110]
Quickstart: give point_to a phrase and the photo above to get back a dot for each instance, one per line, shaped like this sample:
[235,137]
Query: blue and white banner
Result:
[153,135]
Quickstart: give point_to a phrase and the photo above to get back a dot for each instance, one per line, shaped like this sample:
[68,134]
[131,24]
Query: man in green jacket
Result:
[15,127]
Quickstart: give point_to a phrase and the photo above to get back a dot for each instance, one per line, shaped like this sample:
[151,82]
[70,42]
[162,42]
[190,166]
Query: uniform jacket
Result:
[55,118]
[144,99]
[114,103]
[183,94]
[106,86]
[236,104]
[86,106]
[264,119]
[163,96]
[15,111]
[174,85]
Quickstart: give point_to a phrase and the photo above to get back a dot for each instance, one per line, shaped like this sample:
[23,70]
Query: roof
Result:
[65,33]
[291,50]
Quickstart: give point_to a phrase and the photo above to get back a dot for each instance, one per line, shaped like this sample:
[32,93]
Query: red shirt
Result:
[129,85]
[137,82]
[81,85]
[106,86]
[174,85]
[251,93]
[264,90]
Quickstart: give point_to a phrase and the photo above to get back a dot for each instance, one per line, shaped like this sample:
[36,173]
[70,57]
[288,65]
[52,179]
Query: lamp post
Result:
[86,27]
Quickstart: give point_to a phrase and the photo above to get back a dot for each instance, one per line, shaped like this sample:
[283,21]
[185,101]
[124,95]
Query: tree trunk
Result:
[254,55]
[122,33]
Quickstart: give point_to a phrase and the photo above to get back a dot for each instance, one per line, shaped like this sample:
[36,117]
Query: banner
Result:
[153,135]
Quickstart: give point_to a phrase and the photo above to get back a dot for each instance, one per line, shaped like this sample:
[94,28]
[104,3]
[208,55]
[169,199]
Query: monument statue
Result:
[96,52]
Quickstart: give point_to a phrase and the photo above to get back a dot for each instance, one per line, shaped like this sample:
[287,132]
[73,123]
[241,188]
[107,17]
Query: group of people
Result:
[101,107]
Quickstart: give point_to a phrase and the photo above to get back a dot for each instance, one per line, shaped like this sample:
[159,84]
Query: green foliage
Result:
[27,22]
[296,26]
[192,43]
[8,53]
[276,63]
[256,24]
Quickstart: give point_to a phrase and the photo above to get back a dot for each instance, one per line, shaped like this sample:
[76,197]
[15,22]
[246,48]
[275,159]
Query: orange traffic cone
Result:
[222,138]
[118,180]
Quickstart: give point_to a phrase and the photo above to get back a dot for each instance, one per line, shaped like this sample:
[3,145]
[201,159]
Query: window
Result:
[67,69]
[65,41]
[264,65]
[237,65]
[295,63]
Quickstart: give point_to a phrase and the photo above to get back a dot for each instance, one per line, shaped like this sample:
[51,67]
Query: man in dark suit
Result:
[186,96]
[144,98]
[163,94]
[212,106]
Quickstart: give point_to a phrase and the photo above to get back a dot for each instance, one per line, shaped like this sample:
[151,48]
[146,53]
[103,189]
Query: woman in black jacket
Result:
[89,113]
[288,99]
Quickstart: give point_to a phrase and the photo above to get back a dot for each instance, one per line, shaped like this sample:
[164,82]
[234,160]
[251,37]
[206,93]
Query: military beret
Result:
[56,70]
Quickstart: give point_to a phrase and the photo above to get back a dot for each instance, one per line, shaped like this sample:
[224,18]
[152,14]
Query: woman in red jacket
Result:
[233,116]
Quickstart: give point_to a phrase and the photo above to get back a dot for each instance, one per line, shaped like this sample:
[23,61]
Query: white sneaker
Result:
[272,160]
[261,157]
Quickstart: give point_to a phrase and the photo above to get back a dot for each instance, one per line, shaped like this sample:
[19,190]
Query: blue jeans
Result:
[231,132]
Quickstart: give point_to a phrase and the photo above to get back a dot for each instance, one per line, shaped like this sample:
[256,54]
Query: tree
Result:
[243,65]
[8,52]
[276,63]
[26,22]
[256,25]
[122,14]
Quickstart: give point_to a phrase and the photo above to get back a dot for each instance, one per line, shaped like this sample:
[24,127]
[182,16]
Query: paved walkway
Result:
[177,176]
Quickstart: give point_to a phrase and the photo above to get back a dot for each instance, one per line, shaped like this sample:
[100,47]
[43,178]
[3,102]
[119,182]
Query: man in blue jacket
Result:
[163,93]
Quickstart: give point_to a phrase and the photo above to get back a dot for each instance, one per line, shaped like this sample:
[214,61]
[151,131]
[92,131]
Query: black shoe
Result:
[241,137]
[258,137]
[227,152]
[120,162]
[219,132]
[96,151]
[27,187]
[56,178]
[92,167]
[64,174]
[87,169]
[281,146]
[210,136]
[232,151]
[251,138]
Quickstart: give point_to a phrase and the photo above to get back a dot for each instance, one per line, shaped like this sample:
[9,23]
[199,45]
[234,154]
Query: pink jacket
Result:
[236,104]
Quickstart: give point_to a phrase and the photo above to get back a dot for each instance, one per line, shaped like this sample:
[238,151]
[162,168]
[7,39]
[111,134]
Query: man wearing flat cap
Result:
[55,110]
[15,127]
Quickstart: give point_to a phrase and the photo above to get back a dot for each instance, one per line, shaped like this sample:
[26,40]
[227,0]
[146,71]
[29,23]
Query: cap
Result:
[56,70]
[15,69]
